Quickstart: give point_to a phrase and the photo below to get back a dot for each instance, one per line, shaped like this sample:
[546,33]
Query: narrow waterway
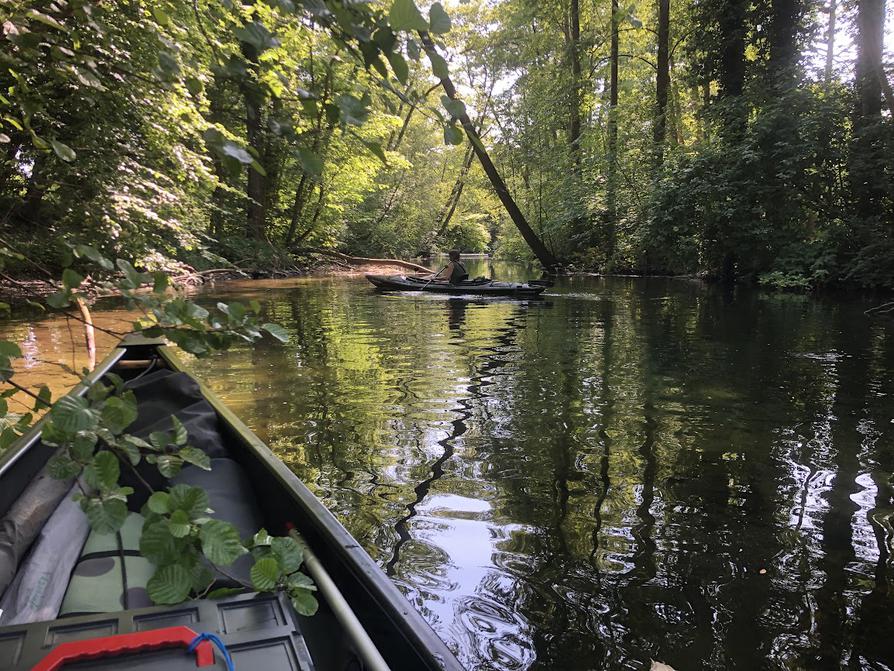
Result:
[624,470]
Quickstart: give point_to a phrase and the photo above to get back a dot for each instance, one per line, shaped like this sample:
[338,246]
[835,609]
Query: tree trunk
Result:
[732,50]
[394,142]
[867,153]
[612,186]
[449,208]
[663,79]
[574,120]
[870,34]
[256,183]
[786,17]
[830,42]
[545,256]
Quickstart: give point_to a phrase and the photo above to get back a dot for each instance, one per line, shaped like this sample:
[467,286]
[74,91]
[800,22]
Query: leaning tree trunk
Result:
[543,254]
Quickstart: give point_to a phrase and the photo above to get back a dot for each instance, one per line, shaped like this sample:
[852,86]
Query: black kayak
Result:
[481,287]
[363,621]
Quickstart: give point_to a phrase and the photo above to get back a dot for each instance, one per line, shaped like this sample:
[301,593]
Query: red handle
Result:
[108,646]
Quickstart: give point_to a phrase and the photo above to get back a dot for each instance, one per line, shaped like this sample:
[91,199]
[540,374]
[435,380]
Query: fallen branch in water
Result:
[362,260]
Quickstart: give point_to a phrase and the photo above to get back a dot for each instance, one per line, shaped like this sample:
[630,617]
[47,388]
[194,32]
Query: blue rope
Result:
[205,636]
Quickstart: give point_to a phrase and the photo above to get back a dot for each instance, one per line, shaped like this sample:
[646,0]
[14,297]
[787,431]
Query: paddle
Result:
[434,276]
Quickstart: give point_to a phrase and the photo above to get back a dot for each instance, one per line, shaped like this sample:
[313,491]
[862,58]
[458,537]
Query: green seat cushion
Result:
[97,586]
[101,582]
[130,538]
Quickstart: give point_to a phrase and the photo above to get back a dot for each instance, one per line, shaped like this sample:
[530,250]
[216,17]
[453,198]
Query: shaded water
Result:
[625,470]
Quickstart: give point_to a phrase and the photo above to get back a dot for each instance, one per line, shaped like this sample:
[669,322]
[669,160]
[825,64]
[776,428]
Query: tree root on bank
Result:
[362,260]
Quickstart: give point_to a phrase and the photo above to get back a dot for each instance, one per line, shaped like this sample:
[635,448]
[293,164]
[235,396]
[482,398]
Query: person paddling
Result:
[454,272]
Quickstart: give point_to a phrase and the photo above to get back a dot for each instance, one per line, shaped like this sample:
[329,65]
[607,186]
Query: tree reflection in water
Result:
[625,470]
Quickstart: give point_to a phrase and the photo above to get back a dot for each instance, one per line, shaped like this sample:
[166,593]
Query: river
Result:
[625,470]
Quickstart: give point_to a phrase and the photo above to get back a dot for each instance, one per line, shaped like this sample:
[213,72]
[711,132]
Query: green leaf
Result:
[63,151]
[237,151]
[195,456]
[454,107]
[104,471]
[193,85]
[400,67]
[160,16]
[413,49]
[352,110]
[301,581]
[287,552]
[453,135]
[220,542]
[105,517]
[58,300]
[7,437]
[276,331]
[168,465]
[159,502]
[119,412]
[180,435]
[169,585]
[405,15]
[265,573]
[135,278]
[160,283]
[46,20]
[179,524]
[311,163]
[193,501]
[258,168]
[223,592]
[83,446]
[62,467]
[304,602]
[257,36]
[6,371]
[10,349]
[438,65]
[138,443]
[158,545]
[93,254]
[44,398]
[439,19]
[202,576]
[376,149]
[73,414]
[262,538]
[160,440]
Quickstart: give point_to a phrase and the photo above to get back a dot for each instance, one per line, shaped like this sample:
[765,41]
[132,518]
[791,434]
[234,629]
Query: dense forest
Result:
[726,138]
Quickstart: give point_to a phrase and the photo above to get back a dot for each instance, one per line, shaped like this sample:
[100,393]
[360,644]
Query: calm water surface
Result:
[622,471]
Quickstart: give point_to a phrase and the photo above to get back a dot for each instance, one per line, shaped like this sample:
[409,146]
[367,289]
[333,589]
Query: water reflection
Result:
[625,470]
